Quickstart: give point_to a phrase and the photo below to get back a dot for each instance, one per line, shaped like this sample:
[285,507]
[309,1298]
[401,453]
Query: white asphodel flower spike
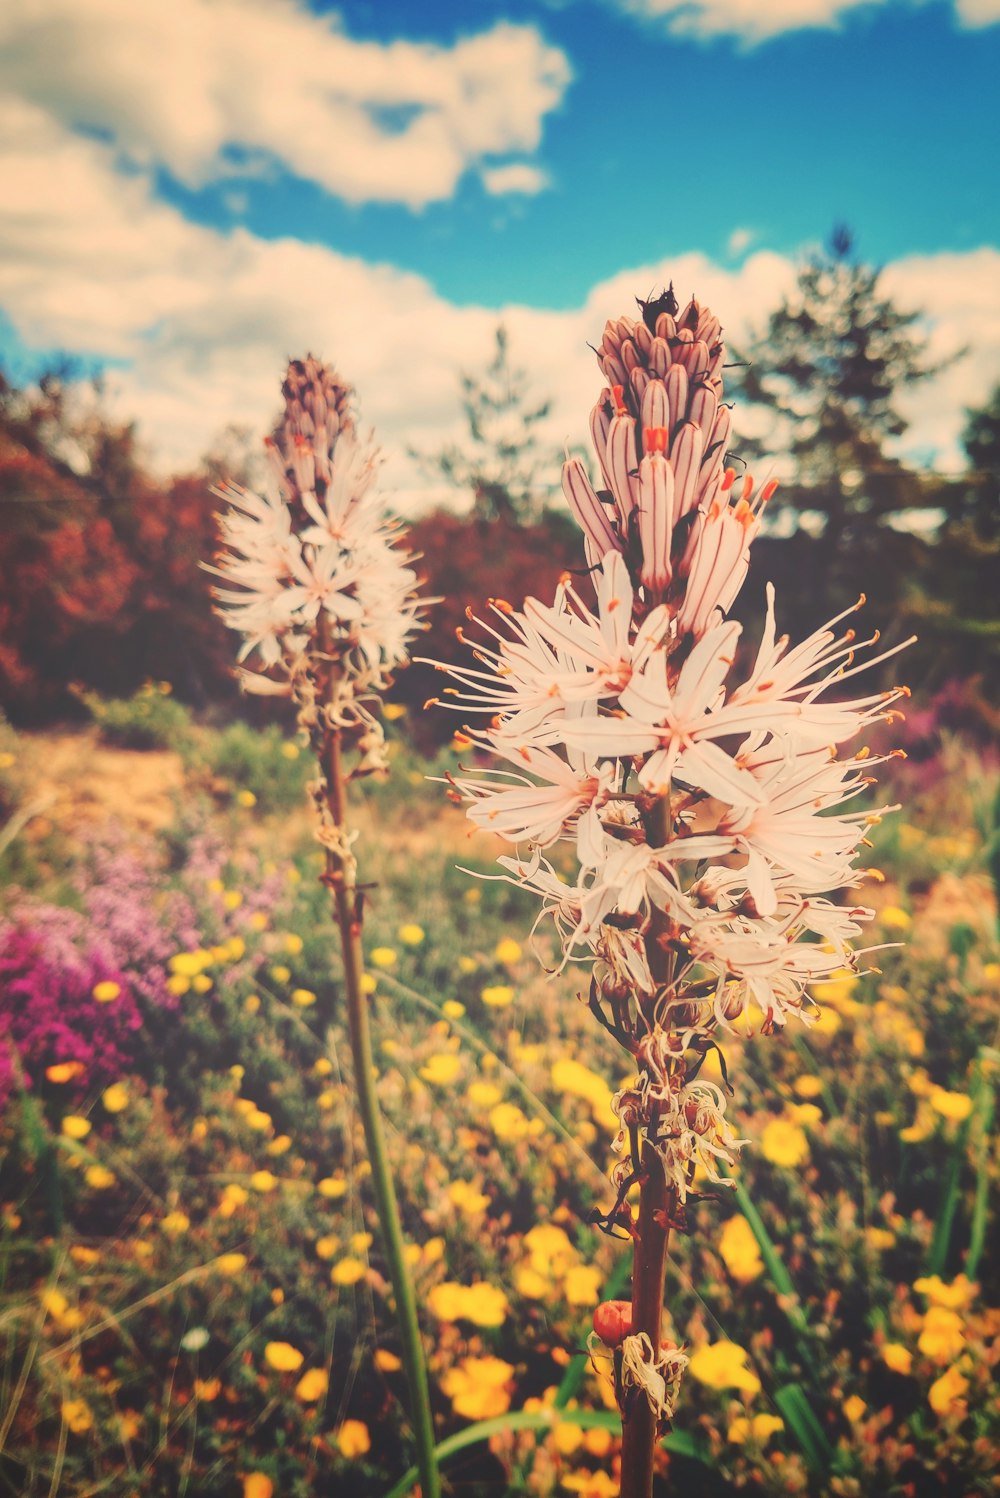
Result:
[312,568]
[311,575]
[708,808]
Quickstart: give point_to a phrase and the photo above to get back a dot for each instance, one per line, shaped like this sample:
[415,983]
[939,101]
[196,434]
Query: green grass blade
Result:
[801,1420]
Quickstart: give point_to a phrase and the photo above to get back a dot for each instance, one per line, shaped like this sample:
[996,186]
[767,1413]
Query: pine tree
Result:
[501,463]
[831,364]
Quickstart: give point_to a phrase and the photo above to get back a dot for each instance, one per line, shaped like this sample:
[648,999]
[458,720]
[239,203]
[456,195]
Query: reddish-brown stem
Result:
[640,1424]
[649,1254]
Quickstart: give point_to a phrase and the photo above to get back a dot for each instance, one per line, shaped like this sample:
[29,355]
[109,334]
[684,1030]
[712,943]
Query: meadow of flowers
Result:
[192,1295]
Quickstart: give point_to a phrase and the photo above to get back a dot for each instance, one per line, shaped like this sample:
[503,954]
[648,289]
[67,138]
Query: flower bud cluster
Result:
[708,809]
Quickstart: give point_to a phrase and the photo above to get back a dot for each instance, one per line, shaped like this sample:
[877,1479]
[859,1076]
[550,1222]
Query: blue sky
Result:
[199,190]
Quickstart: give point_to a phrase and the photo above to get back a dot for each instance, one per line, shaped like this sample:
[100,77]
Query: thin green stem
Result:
[340,877]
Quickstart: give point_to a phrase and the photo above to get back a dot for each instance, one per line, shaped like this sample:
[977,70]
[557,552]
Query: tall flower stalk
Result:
[313,578]
[704,805]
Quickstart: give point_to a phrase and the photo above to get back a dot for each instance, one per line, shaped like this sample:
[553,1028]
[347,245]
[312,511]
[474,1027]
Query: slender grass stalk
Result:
[341,878]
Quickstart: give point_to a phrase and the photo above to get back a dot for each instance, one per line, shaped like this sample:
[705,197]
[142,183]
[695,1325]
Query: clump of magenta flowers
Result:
[703,805]
[312,575]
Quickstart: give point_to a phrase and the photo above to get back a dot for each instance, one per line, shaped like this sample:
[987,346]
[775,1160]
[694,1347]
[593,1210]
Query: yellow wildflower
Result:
[441,1069]
[497,995]
[807,1087]
[77,1415]
[942,1338]
[481,1303]
[175,1223]
[508,1122]
[386,1361]
[353,1439]
[573,1077]
[246,798]
[836,988]
[590,1484]
[233,1197]
[257,1485]
[806,1114]
[945,1394]
[303,998]
[280,1145]
[105,992]
[383,957]
[466,1198]
[452,1009]
[479,1387]
[723,1365]
[75,1127]
[189,964]
[598,1442]
[331,1187]
[467,965]
[411,935]
[58,1307]
[955,1106]
[897,1357]
[263,1181]
[99,1177]
[483,1094]
[258,1120]
[115,1098]
[827,1021]
[879,1239]
[327,1246]
[759,1429]
[507,950]
[956,1296]
[854,1408]
[582,1285]
[207,1389]
[64,1071]
[178,985]
[292,943]
[348,1272]
[280,973]
[740,1251]
[784,1143]
[283,1357]
[231,1264]
[312,1385]
[895,918]
[566,1438]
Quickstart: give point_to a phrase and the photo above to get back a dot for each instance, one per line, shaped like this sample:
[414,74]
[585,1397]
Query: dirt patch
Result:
[76,781]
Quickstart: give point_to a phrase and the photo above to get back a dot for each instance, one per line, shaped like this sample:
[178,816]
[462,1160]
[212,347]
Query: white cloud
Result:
[753,21]
[184,84]
[750,20]
[738,241]
[977,13]
[514,176]
[91,262]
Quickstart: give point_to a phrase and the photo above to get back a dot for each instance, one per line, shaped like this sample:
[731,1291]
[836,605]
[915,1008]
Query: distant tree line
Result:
[102,586]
